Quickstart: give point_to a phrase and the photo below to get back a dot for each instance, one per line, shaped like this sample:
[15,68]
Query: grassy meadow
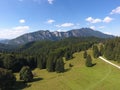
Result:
[102,76]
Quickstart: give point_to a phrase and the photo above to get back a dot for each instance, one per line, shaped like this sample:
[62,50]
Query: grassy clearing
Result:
[102,76]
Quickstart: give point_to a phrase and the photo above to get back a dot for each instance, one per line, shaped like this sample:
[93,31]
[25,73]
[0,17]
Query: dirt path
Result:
[109,62]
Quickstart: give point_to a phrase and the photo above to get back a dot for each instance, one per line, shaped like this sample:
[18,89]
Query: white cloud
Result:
[108,33]
[116,11]
[92,27]
[50,1]
[107,19]
[65,25]
[40,1]
[50,21]
[61,30]
[89,19]
[97,20]
[92,20]
[13,32]
[22,21]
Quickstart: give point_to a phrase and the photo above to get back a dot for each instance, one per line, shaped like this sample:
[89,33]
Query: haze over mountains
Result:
[47,35]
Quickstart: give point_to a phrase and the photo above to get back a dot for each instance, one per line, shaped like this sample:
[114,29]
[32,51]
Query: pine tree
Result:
[39,62]
[88,61]
[51,63]
[85,54]
[109,52]
[96,53]
[8,61]
[101,50]
[59,66]
[68,55]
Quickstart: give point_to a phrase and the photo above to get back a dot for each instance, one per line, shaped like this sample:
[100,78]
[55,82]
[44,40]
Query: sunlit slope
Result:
[102,76]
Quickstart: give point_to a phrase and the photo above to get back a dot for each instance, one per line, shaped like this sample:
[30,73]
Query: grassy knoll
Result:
[102,76]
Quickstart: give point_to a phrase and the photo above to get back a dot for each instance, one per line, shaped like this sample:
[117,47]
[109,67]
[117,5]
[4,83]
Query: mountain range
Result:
[47,35]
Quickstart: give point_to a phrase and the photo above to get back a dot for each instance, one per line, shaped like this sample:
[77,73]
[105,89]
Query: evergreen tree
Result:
[26,74]
[31,61]
[51,63]
[68,55]
[7,79]
[8,61]
[39,62]
[109,52]
[85,54]
[96,53]
[88,62]
[59,66]
[101,50]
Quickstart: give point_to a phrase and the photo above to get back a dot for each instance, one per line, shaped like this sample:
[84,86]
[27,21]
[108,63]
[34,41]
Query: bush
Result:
[26,74]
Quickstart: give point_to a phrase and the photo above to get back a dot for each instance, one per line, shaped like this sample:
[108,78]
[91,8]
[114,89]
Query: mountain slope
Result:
[47,35]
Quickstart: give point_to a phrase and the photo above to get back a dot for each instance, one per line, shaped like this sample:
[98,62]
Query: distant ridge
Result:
[47,35]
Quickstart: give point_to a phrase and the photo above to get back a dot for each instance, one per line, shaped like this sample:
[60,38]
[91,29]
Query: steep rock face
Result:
[47,35]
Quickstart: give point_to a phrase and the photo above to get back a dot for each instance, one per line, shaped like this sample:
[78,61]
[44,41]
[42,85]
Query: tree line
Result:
[45,54]
[112,49]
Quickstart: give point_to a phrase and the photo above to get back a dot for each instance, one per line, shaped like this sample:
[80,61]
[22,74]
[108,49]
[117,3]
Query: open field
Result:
[102,76]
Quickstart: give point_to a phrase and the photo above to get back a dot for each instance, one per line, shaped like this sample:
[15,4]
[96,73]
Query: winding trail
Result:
[117,66]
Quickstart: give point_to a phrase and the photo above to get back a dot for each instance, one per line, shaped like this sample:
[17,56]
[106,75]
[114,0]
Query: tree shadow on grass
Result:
[21,84]
[94,64]
[68,69]
[36,79]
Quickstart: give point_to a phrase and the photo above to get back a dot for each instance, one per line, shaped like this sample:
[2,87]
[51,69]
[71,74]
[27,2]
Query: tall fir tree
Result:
[8,61]
[101,50]
[96,52]
[85,54]
[88,62]
[39,62]
[51,63]
[59,66]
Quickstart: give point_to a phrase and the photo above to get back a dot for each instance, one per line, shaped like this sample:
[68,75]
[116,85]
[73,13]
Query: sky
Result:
[18,17]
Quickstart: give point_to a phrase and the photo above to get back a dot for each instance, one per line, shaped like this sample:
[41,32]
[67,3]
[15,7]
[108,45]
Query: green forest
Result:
[50,55]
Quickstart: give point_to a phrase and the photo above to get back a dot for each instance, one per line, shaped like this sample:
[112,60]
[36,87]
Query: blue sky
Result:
[23,16]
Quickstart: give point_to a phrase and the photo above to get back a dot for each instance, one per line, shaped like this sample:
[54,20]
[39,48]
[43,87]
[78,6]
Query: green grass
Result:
[102,76]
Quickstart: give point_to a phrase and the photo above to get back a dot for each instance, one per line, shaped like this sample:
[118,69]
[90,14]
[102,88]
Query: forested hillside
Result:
[112,49]
[52,55]
[45,54]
